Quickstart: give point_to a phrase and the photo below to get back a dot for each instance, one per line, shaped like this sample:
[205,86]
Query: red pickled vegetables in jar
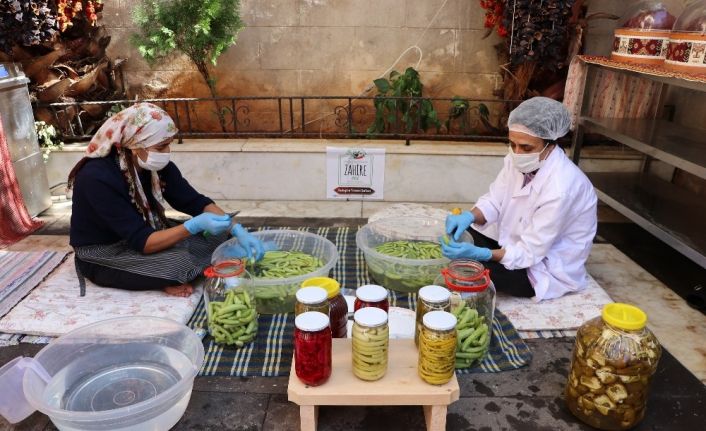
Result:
[312,348]
[371,295]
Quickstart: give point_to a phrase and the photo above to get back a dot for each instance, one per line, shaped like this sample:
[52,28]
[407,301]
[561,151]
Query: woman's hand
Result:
[208,222]
[249,242]
[461,250]
[457,224]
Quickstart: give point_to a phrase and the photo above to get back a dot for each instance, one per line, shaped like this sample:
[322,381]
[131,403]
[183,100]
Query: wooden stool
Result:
[401,386]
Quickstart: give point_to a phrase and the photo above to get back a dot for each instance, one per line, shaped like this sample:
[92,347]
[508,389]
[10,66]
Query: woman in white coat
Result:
[535,226]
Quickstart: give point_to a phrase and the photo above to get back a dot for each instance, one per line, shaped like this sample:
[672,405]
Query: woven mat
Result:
[54,307]
[655,70]
[22,271]
[271,352]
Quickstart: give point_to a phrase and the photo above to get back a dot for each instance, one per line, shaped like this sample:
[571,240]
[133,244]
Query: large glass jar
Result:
[338,307]
[643,32]
[613,361]
[371,295]
[437,347]
[230,303]
[430,298]
[370,343]
[311,299]
[312,348]
[473,304]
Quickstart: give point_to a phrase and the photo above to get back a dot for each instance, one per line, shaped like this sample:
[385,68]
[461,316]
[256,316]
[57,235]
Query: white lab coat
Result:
[547,226]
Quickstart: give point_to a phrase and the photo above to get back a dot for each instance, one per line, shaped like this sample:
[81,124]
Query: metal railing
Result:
[343,117]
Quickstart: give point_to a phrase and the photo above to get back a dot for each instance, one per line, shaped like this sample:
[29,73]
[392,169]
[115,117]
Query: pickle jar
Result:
[338,307]
[614,358]
[371,295]
[311,299]
[437,347]
[370,343]
[473,303]
[312,348]
[230,303]
[430,298]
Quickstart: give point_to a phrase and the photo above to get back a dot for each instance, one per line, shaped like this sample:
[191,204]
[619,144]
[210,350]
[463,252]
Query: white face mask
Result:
[527,163]
[155,161]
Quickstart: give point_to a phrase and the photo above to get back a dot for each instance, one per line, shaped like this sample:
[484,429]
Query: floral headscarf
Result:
[140,126]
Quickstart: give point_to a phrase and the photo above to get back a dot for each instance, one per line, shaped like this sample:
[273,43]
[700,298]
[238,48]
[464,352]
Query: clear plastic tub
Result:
[277,295]
[132,373]
[400,274]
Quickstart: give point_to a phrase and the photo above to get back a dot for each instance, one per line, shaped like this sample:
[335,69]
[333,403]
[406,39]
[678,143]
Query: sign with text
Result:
[355,173]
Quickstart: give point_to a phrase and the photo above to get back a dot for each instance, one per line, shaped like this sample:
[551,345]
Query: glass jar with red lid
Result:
[473,304]
[371,295]
[312,348]
[231,306]
[338,307]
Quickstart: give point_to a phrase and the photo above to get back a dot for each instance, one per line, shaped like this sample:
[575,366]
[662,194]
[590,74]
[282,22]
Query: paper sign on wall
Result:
[355,173]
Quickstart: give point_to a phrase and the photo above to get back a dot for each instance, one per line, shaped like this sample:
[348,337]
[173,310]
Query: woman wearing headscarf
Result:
[118,229]
[535,226]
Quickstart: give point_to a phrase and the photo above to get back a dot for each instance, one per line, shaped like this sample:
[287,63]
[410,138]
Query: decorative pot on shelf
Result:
[687,43]
[644,32]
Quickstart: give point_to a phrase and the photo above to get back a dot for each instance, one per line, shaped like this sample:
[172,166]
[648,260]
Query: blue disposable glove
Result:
[466,250]
[208,222]
[249,242]
[457,224]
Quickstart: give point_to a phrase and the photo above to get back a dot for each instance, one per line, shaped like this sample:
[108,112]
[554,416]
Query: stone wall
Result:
[327,47]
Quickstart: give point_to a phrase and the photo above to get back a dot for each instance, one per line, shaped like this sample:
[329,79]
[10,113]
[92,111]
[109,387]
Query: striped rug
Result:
[270,354]
[21,271]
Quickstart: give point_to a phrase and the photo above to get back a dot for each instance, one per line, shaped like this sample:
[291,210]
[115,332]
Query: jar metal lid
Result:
[311,321]
[624,316]
[330,285]
[439,320]
[371,293]
[370,316]
[311,295]
[434,294]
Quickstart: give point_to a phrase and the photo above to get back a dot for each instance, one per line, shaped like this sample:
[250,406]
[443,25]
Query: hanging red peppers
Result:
[69,10]
[493,15]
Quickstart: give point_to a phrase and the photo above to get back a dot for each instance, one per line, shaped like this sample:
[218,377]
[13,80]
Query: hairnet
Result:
[540,117]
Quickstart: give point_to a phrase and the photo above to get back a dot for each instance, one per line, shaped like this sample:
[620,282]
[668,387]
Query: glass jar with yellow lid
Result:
[614,358]
[338,307]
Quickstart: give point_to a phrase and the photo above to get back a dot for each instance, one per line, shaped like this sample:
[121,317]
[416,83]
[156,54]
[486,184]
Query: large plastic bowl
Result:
[131,373]
[276,295]
[399,274]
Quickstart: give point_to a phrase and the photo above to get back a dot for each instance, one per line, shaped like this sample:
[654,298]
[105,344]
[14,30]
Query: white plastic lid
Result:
[371,293]
[311,321]
[370,316]
[439,320]
[311,295]
[434,294]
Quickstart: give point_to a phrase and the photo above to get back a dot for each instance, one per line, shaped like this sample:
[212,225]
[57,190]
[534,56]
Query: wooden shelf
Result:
[401,385]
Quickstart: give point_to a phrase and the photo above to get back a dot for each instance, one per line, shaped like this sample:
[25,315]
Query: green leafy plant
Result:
[461,110]
[48,139]
[409,115]
[199,29]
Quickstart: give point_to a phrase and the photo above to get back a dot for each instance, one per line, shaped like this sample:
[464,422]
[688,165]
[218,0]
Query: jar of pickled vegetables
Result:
[437,347]
[371,295]
[338,307]
[312,348]
[430,298]
[230,303]
[473,304]
[614,358]
[370,341]
[311,299]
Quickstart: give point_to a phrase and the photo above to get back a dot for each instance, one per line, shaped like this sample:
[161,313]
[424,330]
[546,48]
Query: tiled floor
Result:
[530,398]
